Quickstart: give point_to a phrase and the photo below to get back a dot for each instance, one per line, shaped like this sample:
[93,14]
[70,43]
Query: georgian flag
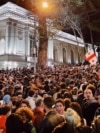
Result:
[91,57]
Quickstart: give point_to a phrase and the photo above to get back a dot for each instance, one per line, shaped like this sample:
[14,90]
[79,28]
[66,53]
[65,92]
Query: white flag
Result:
[91,57]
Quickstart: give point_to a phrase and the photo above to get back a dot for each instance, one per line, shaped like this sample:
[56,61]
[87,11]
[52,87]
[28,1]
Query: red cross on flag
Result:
[91,57]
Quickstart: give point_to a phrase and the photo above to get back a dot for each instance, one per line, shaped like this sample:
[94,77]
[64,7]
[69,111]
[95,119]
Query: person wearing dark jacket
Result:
[14,124]
[38,113]
[27,117]
[51,119]
[90,104]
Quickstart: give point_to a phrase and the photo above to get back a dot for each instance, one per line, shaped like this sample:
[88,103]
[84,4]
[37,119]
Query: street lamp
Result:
[45,4]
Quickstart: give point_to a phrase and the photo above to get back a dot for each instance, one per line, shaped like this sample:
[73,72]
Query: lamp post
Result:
[45,4]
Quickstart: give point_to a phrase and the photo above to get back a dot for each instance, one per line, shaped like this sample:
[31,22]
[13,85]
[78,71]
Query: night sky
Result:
[23,3]
[4,1]
[86,31]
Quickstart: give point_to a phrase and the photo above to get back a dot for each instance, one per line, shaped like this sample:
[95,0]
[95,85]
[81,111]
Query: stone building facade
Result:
[18,37]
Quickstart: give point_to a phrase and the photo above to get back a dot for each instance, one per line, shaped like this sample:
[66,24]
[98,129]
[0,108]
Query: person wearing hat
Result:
[7,99]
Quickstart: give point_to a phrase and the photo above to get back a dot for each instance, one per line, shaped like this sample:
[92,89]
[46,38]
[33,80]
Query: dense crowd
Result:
[57,99]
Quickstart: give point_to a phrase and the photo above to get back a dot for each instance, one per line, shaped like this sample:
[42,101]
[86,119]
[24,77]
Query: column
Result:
[60,52]
[50,48]
[7,38]
[14,38]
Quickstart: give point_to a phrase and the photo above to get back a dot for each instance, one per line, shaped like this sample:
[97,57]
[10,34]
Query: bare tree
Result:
[65,15]
[66,18]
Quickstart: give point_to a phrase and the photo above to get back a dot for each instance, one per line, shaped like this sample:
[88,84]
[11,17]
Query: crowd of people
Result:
[57,99]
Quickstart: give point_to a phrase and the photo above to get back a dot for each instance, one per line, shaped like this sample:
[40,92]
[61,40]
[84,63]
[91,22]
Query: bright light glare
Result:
[45,4]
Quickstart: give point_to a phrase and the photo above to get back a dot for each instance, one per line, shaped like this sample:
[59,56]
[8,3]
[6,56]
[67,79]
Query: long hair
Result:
[28,112]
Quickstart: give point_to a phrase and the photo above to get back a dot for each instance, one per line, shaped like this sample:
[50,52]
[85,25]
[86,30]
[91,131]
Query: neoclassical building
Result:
[17,33]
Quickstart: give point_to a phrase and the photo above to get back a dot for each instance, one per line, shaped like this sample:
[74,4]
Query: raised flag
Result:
[91,57]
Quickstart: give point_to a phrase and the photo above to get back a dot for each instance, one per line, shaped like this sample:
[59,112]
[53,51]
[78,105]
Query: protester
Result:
[76,106]
[27,117]
[60,106]
[90,104]
[21,84]
[74,120]
[5,111]
[38,113]
[51,119]
[96,125]
[30,99]
[97,112]
[14,124]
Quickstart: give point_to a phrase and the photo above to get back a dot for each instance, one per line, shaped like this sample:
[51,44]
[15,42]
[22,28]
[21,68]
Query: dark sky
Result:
[23,3]
[4,1]
[14,1]
[26,4]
